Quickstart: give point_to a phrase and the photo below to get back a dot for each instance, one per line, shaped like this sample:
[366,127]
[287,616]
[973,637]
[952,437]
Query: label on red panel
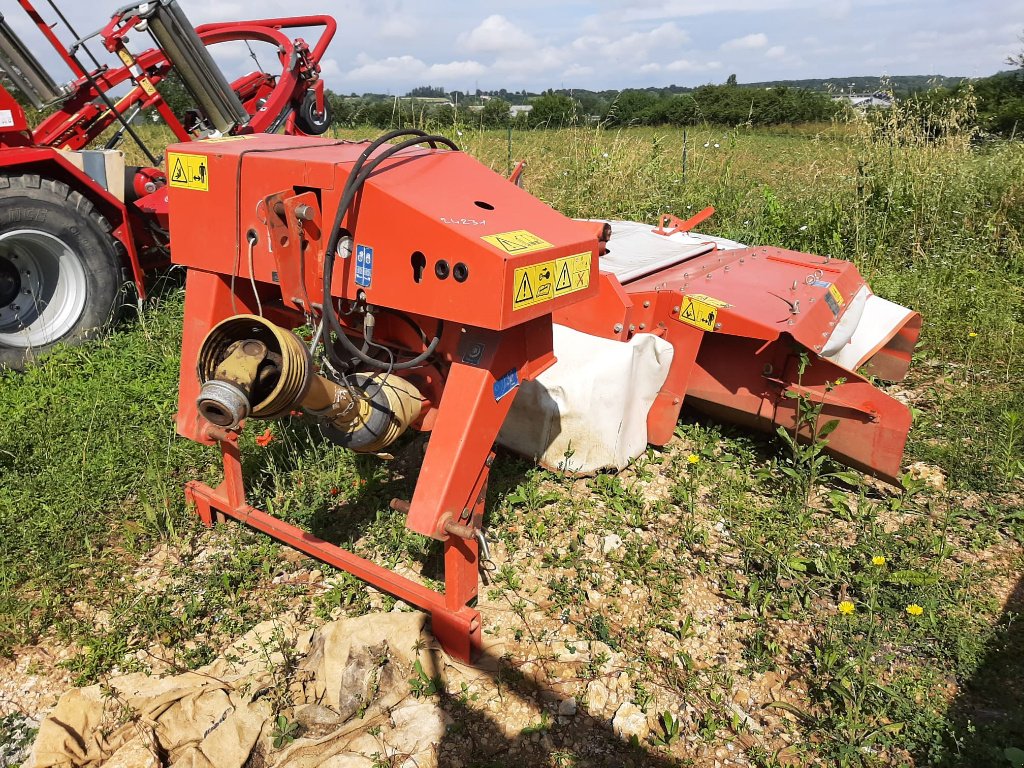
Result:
[506,384]
[517,242]
[188,171]
[695,311]
[6,118]
[548,280]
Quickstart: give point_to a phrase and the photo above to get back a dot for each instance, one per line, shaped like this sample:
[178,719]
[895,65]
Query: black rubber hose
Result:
[355,181]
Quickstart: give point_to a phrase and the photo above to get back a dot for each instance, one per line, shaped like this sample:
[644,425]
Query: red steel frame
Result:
[455,624]
[257,185]
[81,118]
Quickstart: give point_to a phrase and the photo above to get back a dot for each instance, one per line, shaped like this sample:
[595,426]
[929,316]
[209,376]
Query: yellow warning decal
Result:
[710,300]
[548,280]
[699,313]
[147,87]
[188,171]
[518,242]
[214,139]
[836,294]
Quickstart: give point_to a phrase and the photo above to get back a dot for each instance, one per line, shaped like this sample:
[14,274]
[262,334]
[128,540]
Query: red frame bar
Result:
[456,625]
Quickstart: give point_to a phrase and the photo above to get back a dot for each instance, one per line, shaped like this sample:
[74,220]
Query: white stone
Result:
[597,698]
[630,721]
[610,543]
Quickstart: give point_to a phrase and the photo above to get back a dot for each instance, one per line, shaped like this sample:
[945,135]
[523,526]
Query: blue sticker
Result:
[819,284]
[364,265]
[506,384]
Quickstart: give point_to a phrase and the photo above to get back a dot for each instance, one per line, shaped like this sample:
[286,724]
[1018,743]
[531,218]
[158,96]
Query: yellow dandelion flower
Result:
[846,607]
[878,560]
[914,609]
[693,458]
[972,335]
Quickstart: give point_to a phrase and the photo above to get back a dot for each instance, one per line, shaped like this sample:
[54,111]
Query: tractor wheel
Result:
[59,269]
[308,119]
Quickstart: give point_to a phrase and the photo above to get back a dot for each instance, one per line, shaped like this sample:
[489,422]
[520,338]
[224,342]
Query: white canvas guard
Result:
[588,411]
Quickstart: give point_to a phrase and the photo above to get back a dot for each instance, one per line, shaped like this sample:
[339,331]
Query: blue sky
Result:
[393,45]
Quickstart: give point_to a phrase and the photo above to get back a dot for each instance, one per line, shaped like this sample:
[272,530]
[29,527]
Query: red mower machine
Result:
[77,223]
[439,294]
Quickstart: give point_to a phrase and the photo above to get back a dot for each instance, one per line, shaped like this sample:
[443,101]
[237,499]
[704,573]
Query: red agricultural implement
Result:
[440,294]
[75,221]
[440,297]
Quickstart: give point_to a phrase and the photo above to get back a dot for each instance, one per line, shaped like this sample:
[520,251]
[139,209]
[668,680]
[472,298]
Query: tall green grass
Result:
[91,471]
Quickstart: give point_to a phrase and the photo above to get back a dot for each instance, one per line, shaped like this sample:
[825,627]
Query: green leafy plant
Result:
[422,684]
[284,732]
[670,727]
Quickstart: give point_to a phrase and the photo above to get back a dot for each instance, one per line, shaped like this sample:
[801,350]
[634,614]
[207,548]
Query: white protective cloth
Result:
[588,411]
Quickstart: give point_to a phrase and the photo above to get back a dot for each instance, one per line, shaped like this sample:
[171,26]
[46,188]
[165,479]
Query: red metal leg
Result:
[467,424]
[456,625]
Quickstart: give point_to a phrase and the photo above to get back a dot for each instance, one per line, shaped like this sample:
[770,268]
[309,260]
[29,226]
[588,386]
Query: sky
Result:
[390,46]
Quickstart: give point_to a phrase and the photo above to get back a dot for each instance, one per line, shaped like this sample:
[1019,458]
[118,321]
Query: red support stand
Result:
[456,625]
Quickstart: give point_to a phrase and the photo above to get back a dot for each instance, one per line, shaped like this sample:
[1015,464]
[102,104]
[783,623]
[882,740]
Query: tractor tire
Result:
[308,119]
[59,268]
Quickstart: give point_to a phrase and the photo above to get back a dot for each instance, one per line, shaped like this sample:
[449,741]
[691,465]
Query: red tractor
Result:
[78,223]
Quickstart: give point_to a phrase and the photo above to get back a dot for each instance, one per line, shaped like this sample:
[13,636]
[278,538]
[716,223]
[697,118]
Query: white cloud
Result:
[454,70]
[578,70]
[496,34]
[775,52]
[747,42]
[636,10]
[684,65]
[400,27]
[636,46]
[401,68]
[392,67]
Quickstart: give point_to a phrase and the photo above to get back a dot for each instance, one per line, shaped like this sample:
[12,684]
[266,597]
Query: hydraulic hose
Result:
[361,170]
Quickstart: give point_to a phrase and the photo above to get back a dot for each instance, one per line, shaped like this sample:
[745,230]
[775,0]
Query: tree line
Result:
[720,104]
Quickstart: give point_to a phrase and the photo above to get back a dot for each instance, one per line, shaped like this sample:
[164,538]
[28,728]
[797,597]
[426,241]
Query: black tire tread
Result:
[81,205]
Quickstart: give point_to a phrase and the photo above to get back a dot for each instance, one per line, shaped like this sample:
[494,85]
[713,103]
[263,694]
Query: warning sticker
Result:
[188,171]
[214,139]
[518,242]
[550,279]
[699,313]
[364,265]
[836,294]
[710,300]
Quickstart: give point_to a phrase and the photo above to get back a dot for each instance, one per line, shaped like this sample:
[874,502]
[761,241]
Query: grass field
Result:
[721,606]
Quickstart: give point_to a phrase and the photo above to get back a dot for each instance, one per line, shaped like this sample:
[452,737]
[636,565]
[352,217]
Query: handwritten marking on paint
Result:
[188,171]
[549,280]
[699,313]
[517,242]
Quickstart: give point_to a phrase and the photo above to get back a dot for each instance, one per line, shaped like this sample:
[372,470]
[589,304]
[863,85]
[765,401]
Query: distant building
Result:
[520,109]
[866,100]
